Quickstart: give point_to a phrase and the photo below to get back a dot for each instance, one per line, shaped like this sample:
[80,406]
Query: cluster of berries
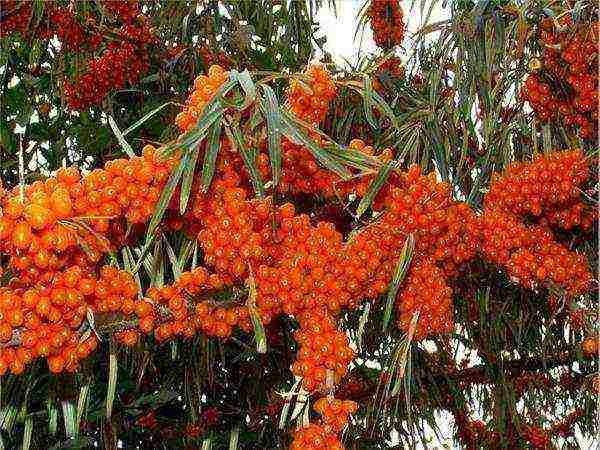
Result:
[67,218]
[566,87]
[16,16]
[67,27]
[312,106]
[591,346]
[324,351]
[545,187]
[123,61]
[536,437]
[204,89]
[387,22]
[325,434]
[530,253]
[48,321]
[126,11]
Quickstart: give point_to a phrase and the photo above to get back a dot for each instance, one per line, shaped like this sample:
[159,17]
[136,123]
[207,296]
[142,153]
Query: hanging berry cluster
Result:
[16,16]
[325,434]
[537,191]
[123,61]
[565,89]
[387,22]
[311,106]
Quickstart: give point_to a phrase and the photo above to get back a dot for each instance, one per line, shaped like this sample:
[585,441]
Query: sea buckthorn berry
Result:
[387,22]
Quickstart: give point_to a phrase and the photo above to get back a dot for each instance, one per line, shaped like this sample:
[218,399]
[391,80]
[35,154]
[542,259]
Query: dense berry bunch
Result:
[315,437]
[123,61]
[16,16]
[323,349]
[205,88]
[67,28]
[312,106]
[67,218]
[125,11]
[335,413]
[545,190]
[387,22]
[324,434]
[427,292]
[48,321]
[566,88]
[544,185]
[537,437]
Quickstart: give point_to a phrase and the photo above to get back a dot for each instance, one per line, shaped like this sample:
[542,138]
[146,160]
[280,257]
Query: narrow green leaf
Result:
[82,404]
[8,415]
[193,137]
[142,254]
[27,432]
[368,102]
[288,402]
[172,259]
[113,368]
[271,110]
[322,155]
[188,178]
[361,325]
[122,142]
[248,86]
[259,330]
[166,194]
[207,444]
[236,139]
[234,437]
[52,411]
[375,187]
[398,277]
[210,155]
[146,117]
[69,417]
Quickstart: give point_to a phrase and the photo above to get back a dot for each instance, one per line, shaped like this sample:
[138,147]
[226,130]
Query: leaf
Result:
[375,187]
[234,437]
[259,330]
[398,277]
[27,432]
[69,418]
[299,137]
[247,85]
[361,325]
[146,117]
[368,101]
[271,110]
[122,142]
[52,411]
[142,254]
[81,404]
[288,403]
[113,368]
[210,155]
[188,179]
[236,138]
[166,194]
